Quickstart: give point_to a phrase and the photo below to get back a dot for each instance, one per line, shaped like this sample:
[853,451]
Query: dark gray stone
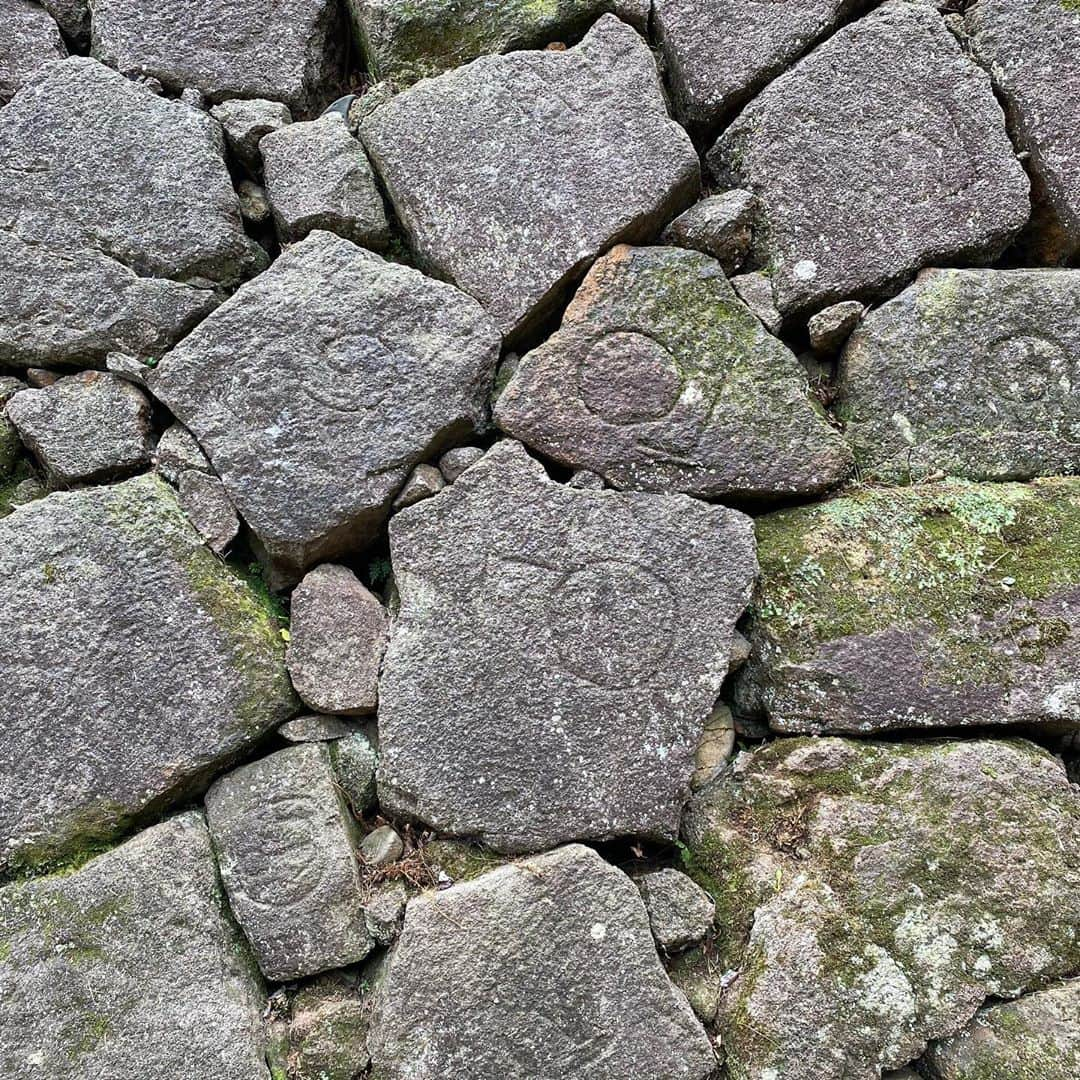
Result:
[208,507]
[680,911]
[355,759]
[890,112]
[85,428]
[72,16]
[10,444]
[544,159]
[940,605]
[661,379]
[1031,51]
[544,969]
[134,664]
[871,896]
[254,202]
[969,373]
[285,843]
[317,388]
[245,121]
[720,226]
[407,40]
[129,968]
[1036,1036]
[337,641]
[318,177]
[598,625]
[719,52]
[384,911]
[30,40]
[292,51]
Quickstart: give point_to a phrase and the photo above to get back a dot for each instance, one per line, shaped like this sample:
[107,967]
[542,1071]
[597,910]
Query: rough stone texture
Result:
[128,968]
[254,202]
[338,637]
[106,190]
[355,760]
[454,462]
[1030,50]
[72,16]
[891,113]
[661,379]
[315,729]
[245,122]
[720,226]
[384,911]
[716,746]
[545,969]
[86,428]
[424,481]
[10,444]
[1035,1038]
[207,505]
[871,896]
[178,451]
[30,40]
[544,159]
[599,626]
[291,51]
[829,329]
[406,40]
[284,842]
[129,368]
[317,387]
[318,177]
[134,663]
[968,373]
[719,52]
[756,293]
[381,846]
[680,911]
[942,605]
[324,1035]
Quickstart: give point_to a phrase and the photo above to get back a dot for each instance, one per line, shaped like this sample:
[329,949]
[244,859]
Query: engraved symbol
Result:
[285,866]
[629,378]
[1023,368]
[613,622]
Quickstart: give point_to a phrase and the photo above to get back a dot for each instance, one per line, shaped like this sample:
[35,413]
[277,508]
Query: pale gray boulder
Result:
[381,846]
[134,665]
[661,379]
[285,844]
[598,625]
[830,328]
[293,51]
[720,226]
[209,508]
[934,606]
[129,968]
[890,112]
[871,896]
[177,452]
[1031,50]
[30,40]
[407,40]
[337,640]
[1036,1036]
[969,373]
[544,159]
[318,177]
[544,969]
[680,911]
[318,386]
[245,121]
[85,428]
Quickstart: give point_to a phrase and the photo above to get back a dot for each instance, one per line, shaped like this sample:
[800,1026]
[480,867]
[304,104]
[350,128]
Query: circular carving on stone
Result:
[289,866]
[628,378]
[351,369]
[613,622]
[1023,368]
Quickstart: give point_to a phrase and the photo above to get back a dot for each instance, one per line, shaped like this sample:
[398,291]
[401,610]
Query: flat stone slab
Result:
[1030,51]
[31,39]
[285,843]
[1036,1035]
[556,655]
[871,896]
[544,159]
[318,386]
[134,665]
[890,112]
[943,605]
[407,40]
[969,373]
[719,52]
[129,967]
[291,51]
[544,969]
[662,379]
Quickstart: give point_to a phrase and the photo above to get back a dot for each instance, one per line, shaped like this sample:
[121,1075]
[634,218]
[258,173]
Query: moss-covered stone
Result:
[871,896]
[941,605]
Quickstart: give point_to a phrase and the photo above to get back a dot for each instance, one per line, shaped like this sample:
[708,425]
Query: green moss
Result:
[461,861]
[1071,5]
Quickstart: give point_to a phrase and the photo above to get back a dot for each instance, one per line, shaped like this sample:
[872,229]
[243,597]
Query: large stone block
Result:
[31,39]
